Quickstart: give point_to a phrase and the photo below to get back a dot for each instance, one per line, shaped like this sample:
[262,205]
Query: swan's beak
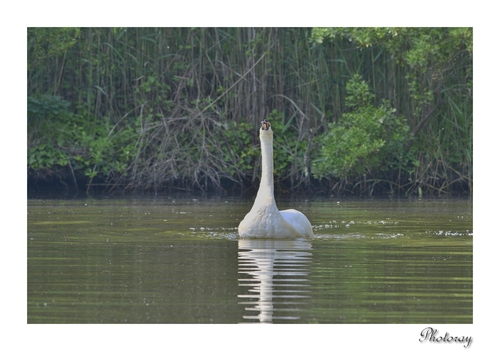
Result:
[265,125]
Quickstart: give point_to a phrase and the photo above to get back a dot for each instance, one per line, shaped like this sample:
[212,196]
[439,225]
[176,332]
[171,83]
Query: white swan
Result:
[264,220]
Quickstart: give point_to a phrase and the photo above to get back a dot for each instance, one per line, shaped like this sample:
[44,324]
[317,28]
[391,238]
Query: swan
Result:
[264,219]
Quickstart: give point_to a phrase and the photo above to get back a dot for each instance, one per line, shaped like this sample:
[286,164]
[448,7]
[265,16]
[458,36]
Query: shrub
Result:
[367,139]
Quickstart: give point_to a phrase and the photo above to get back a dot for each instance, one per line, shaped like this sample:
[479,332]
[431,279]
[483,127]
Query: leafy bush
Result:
[86,145]
[367,139]
[239,153]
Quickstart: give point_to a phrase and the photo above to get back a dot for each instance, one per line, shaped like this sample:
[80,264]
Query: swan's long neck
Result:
[267,164]
[266,188]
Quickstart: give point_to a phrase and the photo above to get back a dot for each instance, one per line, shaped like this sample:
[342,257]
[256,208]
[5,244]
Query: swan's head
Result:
[265,125]
[265,130]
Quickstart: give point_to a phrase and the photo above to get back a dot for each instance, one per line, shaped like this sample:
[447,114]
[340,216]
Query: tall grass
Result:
[191,100]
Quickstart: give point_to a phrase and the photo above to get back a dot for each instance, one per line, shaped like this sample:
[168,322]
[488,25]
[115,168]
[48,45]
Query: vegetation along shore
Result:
[355,111]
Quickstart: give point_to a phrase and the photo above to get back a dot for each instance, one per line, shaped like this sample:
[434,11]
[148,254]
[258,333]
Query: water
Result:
[167,260]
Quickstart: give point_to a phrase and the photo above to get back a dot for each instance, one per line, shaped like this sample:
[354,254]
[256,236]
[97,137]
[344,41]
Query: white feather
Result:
[264,220]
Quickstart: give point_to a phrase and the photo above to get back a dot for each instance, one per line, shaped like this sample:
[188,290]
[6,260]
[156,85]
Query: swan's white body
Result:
[264,220]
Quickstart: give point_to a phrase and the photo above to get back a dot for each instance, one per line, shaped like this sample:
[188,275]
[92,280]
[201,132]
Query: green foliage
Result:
[367,139]
[48,42]
[76,141]
[46,156]
[238,150]
[425,67]
[411,45]
[288,149]
[358,93]
[47,107]
[45,113]
[154,107]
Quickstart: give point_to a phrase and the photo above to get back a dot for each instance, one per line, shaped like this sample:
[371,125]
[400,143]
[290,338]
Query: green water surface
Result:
[169,260]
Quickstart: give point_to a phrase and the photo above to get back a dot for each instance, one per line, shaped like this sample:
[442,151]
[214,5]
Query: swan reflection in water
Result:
[275,273]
